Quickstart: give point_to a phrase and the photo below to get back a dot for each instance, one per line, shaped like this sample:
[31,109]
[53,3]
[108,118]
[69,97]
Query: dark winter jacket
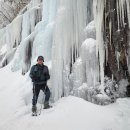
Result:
[39,74]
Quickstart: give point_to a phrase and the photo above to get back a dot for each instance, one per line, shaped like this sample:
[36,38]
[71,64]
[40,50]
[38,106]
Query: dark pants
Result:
[36,90]
[128,91]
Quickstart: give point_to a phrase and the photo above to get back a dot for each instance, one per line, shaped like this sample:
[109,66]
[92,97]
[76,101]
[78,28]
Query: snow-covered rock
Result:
[90,30]
[90,61]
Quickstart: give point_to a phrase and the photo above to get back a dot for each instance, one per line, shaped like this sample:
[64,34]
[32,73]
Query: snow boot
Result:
[46,105]
[34,110]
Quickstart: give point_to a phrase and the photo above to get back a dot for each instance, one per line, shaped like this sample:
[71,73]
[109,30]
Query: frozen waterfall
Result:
[70,36]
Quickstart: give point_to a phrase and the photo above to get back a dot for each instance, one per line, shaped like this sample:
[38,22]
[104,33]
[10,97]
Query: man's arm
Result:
[32,72]
[47,74]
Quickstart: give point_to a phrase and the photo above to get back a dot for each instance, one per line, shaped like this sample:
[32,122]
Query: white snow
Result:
[68,113]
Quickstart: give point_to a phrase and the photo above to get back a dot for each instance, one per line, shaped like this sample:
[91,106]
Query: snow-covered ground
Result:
[68,113]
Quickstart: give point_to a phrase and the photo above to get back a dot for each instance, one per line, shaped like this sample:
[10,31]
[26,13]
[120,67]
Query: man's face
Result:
[40,61]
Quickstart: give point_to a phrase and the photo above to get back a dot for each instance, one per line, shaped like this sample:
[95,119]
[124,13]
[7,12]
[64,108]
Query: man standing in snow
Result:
[40,74]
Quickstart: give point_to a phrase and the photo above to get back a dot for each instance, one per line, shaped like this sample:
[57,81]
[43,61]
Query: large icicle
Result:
[43,41]
[123,9]
[68,36]
[98,16]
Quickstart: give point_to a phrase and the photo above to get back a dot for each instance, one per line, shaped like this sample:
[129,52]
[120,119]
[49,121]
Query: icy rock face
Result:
[116,37]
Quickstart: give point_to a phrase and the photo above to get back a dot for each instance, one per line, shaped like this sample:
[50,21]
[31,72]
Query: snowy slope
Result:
[69,113]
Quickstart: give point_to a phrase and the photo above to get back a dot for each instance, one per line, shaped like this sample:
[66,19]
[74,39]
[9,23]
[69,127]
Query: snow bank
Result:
[68,113]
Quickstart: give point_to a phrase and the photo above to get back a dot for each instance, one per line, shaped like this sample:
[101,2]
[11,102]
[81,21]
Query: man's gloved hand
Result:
[35,79]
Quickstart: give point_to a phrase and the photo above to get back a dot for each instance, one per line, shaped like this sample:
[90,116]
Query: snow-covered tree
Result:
[9,10]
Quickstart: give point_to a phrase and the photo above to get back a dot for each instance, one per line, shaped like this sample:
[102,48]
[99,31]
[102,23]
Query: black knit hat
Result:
[40,58]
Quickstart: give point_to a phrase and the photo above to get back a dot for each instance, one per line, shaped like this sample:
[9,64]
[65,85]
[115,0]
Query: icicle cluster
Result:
[18,37]
[68,36]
